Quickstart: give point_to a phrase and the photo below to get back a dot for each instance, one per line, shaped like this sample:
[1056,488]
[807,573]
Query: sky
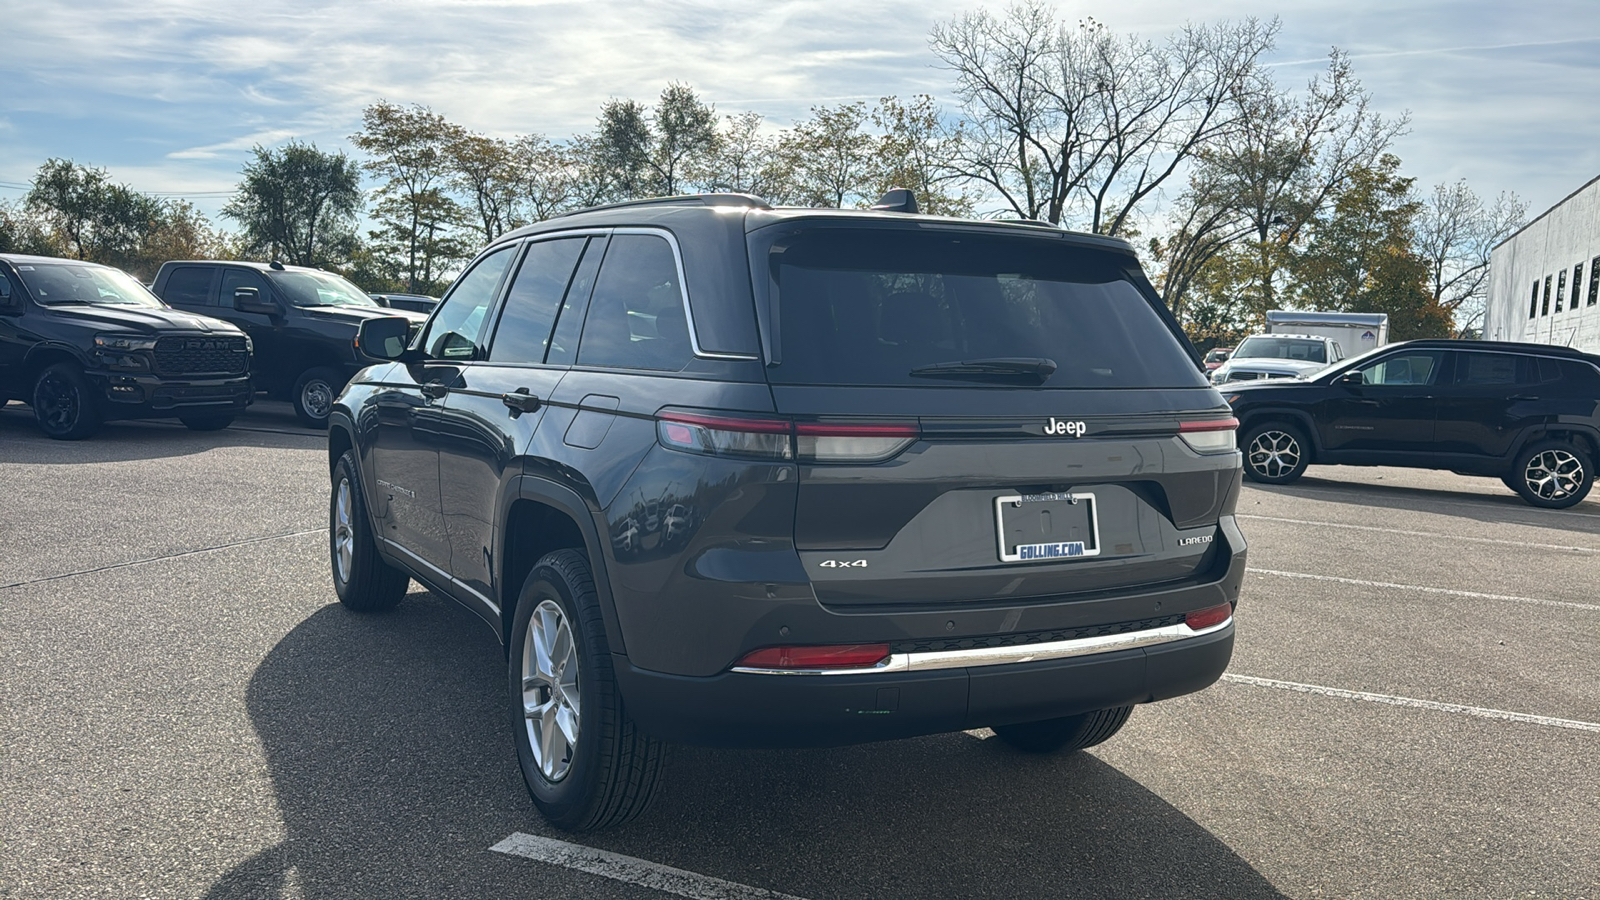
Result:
[171,95]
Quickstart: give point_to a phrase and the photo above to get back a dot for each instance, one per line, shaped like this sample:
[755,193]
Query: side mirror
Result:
[1351,378]
[385,337]
[248,299]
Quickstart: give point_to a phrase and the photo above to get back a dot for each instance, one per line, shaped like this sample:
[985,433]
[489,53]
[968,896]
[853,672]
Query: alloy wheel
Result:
[344,539]
[1554,474]
[550,701]
[56,402]
[1274,454]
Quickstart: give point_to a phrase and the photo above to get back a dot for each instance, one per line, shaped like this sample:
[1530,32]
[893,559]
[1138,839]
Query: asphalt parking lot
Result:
[1413,709]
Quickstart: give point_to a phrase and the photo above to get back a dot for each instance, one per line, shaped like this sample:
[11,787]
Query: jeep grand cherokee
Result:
[719,473]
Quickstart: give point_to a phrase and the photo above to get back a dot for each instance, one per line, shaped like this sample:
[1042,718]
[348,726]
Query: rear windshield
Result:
[868,306]
[1282,348]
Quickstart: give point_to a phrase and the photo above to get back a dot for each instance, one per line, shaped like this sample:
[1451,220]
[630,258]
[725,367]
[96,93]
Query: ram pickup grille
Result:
[201,356]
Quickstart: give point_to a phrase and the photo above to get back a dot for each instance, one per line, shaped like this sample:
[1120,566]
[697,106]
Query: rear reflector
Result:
[1202,619]
[1209,435]
[831,656]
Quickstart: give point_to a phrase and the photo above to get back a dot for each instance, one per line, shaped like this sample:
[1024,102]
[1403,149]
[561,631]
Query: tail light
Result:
[751,437]
[759,437]
[1202,619]
[1209,435]
[830,656]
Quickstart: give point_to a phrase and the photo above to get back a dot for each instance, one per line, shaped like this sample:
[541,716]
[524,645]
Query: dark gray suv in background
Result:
[719,473]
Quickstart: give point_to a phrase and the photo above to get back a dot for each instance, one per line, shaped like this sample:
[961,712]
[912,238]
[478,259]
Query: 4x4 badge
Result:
[1075,428]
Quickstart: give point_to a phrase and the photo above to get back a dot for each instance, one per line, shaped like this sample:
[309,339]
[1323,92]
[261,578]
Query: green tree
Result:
[910,152]
[100,220]
[1361,256]
[298,204]
[685,135]
[417,217]
[830,158]
[619,164]
[24,231]
[488,171]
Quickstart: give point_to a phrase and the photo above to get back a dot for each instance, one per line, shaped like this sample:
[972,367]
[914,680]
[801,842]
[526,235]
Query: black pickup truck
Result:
[303,322]
[82,343]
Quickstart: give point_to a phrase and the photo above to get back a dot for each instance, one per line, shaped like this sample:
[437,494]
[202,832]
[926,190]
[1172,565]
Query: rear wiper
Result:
[1034,367]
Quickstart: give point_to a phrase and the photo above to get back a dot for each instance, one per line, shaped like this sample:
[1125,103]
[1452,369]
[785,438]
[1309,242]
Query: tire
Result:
[1553,474]
[64,403]
[1275,452]
[361,578]
[207,421]
[592,767]
[313,395]
[1067,734]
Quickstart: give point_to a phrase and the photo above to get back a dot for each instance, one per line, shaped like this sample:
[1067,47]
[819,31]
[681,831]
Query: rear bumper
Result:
[744,709]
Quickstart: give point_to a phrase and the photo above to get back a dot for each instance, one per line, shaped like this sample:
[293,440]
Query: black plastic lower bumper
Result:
[754,710]
[140,396]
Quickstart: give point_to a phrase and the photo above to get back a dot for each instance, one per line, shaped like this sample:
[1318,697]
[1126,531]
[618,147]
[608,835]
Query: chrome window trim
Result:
[933,660]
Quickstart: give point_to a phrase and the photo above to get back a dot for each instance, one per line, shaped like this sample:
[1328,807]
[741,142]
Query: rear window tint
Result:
[867,306]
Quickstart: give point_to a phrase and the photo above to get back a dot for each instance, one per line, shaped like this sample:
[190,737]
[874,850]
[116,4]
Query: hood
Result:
[1266,364]
[355,315]
[141,320]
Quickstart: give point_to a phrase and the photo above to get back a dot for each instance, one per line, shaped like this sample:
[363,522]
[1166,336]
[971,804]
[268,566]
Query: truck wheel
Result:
[585,763]
[313,395]
[363,581]
[64,403]
[1275,452]
[207,421]
[1066,734]
[1553,474]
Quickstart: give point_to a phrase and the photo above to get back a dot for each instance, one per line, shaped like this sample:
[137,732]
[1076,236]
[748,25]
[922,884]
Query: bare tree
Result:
[1065,120]
[1454,235]
[912,146]
[743,161]
[549,177]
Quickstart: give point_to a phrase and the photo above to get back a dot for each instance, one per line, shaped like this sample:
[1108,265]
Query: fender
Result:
[581,510]
[1299,416]
[1537,432]
[38,350]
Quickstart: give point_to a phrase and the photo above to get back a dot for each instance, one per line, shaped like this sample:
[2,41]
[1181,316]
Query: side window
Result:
[454,330]
[189,286]
[1561,288]
[1338,352]
[233,279]
[1549,369]
[1533,308]
[1493,368]
[569,325]
[1544,310]
[533,301]
[1594,280]
[1403,369]
[636,318]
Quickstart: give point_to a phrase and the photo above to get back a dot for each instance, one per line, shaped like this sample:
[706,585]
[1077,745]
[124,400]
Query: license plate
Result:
[1047,527]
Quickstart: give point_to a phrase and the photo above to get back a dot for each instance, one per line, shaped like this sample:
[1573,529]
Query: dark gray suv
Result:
[719,473]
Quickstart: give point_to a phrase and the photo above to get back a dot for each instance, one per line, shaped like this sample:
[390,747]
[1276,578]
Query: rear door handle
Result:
[520,401]
[433,390]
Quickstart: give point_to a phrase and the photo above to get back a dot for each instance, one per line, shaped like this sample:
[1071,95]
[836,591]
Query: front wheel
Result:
[1066,734]
[313,395]
[585,763]
[64,403]
[361,578]
[1275,453]
[1553,474]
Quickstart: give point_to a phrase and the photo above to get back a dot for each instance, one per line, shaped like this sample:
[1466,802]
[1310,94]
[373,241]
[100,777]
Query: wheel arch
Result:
[49,354]
[1297,417]
[1586,437]
[539,516]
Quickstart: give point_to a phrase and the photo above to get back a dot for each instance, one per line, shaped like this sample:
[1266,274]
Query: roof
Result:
[1506,346]
[1312,316]
[1530,223]
[259,266]
[29,258]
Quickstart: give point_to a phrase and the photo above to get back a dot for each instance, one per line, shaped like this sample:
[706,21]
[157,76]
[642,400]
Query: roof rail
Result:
[749,201]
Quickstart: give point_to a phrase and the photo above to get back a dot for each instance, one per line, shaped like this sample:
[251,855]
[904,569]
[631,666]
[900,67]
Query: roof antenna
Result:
[276,266]
[897,200]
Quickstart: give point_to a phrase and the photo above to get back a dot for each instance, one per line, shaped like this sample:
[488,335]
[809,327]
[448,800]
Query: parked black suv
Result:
[1526,413]
[719,473]
[82,343]
[303,322]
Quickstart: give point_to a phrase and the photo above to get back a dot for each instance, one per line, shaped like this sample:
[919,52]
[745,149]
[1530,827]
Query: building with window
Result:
[1543,283]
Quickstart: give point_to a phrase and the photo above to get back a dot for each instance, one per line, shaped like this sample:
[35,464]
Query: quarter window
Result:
[1493,368]
[636,317]
[188,286]
[454,330]
[534,298]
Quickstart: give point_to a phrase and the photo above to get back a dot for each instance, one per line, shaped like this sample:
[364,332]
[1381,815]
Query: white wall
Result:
[1565,236]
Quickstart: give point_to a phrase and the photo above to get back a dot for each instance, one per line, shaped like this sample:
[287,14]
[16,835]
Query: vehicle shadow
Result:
[1495,505]
[391,761]
[22,443]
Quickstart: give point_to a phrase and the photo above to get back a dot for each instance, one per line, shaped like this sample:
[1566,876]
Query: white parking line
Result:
[1289,491]
[1476,595]
[1391,700]
[1432,534]
[631,869]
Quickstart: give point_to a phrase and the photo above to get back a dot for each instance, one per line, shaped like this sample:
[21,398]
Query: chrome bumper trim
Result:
[1001,656]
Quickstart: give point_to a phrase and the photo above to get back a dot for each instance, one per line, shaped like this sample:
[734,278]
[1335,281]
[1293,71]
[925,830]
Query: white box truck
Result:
[1356,332]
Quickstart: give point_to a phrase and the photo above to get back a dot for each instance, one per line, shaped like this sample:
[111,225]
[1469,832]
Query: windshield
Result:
[319,289]
[53,284]
[898,307]
[1282,348]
